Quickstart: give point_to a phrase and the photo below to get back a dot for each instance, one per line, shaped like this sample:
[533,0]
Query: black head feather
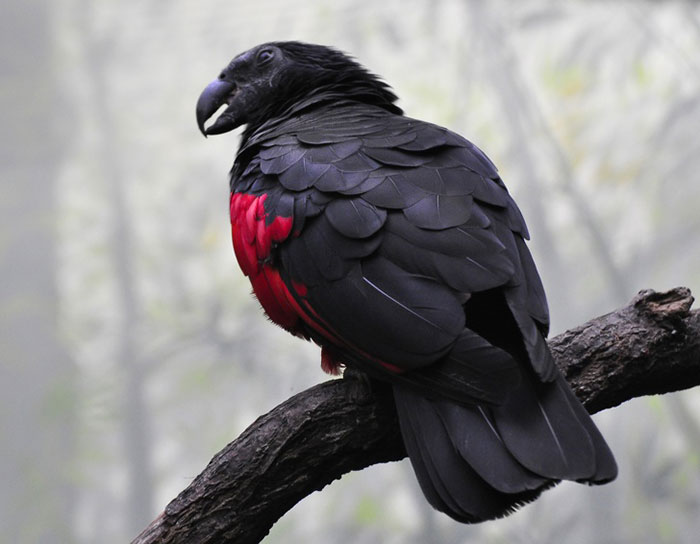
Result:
[268,81]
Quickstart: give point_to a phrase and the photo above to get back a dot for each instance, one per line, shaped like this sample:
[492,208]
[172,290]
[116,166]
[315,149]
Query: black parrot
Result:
[393,243]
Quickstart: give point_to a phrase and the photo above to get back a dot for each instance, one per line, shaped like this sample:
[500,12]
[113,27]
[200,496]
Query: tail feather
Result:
[428,477]
[478,462]
[605,466]
[543,433]
[474,435]
[448,482]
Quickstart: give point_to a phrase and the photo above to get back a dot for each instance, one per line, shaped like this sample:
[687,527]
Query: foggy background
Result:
[130,348]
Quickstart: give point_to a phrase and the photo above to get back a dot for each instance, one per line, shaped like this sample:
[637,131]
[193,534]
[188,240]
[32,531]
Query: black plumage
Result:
[406,255]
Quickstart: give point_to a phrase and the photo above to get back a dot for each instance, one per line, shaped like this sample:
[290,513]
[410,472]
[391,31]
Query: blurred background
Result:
[131,350]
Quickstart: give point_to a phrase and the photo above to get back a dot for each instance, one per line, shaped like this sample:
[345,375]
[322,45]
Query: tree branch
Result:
[649,347]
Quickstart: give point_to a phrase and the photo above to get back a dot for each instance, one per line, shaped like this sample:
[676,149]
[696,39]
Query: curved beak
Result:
[215,95]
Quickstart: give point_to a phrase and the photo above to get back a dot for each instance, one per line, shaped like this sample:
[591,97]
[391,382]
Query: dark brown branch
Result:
[650,346]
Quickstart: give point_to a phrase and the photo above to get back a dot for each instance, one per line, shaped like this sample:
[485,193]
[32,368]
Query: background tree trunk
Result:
[37,376]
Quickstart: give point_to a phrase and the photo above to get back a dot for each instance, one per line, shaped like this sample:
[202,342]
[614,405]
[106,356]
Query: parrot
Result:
[394,244]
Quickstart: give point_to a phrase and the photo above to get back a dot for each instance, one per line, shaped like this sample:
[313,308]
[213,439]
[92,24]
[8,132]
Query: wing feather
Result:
[402,221]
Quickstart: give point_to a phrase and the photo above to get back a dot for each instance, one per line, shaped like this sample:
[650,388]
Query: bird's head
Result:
[265,81]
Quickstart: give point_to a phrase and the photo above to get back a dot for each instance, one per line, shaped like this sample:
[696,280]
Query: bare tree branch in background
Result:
[651,346]
[136,436]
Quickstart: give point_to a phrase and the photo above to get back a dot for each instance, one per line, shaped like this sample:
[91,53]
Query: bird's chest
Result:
[255,232]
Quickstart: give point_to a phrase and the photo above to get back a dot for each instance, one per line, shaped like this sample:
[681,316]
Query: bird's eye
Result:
[265,55]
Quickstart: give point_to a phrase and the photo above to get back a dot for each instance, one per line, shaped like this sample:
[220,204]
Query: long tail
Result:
[482,462]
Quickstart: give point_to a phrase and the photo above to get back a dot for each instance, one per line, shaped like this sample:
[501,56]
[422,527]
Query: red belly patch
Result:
[253,237]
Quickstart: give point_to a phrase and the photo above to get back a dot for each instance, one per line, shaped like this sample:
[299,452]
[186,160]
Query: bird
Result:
[394,244]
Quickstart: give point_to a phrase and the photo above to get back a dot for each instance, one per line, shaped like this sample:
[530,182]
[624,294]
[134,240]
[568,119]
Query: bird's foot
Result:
[360,388]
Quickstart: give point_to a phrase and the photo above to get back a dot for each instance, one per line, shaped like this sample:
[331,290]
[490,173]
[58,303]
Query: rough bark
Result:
[651,346]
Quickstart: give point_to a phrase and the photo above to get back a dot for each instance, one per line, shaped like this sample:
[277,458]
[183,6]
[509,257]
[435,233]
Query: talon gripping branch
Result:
[394,244]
